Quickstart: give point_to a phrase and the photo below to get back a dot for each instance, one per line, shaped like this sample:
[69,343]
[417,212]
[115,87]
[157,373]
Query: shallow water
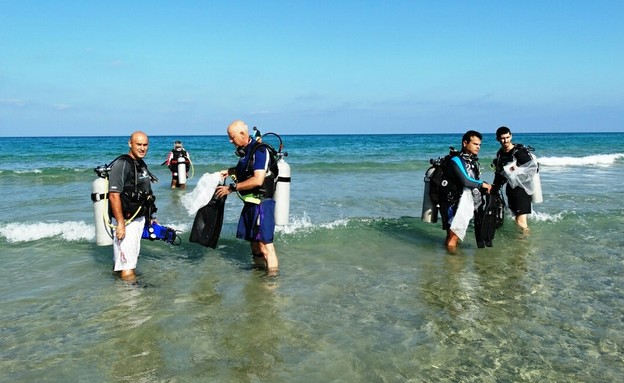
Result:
[366,291]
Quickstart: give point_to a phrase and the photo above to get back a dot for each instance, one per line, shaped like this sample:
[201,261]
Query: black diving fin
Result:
[490,219]
[208,222]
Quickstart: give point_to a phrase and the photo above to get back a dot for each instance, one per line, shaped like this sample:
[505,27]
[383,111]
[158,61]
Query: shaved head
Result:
[237,126]
[238,133]
[138,144]
[138,135]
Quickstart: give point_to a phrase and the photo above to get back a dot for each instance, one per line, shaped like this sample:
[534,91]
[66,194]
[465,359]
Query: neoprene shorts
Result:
[518,200]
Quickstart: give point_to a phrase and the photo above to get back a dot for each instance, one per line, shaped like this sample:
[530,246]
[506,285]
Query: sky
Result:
[93,68]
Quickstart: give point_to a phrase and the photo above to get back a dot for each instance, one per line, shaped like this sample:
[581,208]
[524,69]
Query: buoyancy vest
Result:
[246,170]
[470,170]
[137,199]
[178,153]
[441,189]
[519,152]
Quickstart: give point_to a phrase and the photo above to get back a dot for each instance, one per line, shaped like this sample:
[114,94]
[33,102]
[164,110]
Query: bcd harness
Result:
[517,147]
[443,186]
[177,154]
[267,189]
[135,201]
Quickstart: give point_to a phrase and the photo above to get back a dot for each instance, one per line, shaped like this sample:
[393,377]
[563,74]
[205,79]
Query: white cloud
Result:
[61,106]
[16,102]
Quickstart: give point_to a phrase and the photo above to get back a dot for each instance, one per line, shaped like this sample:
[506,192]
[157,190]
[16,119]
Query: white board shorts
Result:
[126,251]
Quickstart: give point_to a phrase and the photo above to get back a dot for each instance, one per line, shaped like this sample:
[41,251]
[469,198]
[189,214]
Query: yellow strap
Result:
[250,198]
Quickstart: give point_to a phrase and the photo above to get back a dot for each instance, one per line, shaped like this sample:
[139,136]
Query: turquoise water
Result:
[366,291]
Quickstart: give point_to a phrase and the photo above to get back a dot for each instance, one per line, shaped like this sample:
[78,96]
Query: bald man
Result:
[255,184]
[131,203]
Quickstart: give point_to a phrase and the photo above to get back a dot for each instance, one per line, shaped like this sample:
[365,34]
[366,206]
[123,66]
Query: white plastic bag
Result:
[202,194]
[463,215]
[522,175]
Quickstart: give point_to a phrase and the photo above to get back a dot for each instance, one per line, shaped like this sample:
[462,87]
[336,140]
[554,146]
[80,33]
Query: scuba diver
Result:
[255,175]
[257,134]
[179,161]
[462,196]
[131,203]
[516,166]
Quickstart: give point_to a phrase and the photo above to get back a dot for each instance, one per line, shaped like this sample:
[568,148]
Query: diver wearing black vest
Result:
[131,200]
[176,155]
[464,169]
[518,199]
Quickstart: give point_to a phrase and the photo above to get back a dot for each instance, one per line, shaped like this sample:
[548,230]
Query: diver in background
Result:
[173,158]
[257,134]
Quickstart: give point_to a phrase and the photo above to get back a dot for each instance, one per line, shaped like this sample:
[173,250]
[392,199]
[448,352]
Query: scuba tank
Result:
[181,170]
[281,196]
[282,191]
[537,184]
[99,196]
[277,181]
[429,212]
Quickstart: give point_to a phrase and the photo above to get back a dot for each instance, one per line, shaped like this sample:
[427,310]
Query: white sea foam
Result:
[36,171]
[180,227]
[68,231]
[545,217]
[299,224]
[596,159]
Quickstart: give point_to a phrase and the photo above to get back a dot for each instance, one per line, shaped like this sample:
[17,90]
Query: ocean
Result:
[366,291]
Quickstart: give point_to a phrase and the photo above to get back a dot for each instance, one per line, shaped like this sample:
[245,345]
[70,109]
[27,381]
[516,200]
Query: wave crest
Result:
[596,159]
[68,231]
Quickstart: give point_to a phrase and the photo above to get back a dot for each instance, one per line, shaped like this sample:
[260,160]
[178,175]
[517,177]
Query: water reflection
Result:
[474,300]
[255,339]
[133,354]
[238,336]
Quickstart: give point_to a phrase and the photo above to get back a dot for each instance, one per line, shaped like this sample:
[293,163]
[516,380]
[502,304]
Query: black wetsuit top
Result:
[519,153]
[134,184]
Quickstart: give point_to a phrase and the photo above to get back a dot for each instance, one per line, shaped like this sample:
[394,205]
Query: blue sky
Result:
[310,67]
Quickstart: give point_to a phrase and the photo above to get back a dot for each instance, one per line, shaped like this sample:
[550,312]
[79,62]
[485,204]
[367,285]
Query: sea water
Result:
[366,290]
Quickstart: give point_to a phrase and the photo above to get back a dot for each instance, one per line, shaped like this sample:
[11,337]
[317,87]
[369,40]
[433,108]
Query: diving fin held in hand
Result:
[208,222]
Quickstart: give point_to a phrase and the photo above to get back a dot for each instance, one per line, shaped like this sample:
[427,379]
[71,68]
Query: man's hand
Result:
[222,191]
[487,187]
[120,231]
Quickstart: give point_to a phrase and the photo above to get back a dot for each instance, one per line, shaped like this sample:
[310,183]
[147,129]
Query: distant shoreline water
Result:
[316,134]
[366,291]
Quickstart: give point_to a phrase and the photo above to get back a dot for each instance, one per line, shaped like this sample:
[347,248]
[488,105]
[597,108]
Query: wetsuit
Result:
[518,199]
[463,171]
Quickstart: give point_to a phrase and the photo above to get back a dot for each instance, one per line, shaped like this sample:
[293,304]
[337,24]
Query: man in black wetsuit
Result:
[463,170]
[518,199]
